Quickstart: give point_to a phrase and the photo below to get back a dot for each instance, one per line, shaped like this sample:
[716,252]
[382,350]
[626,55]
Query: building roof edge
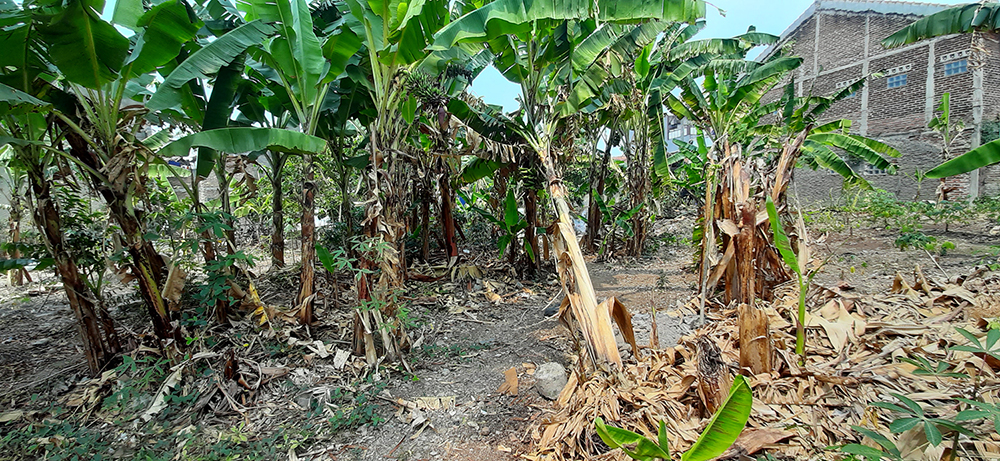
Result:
[856,6]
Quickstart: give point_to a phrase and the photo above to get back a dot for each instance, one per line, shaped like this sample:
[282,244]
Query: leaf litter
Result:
[855,344]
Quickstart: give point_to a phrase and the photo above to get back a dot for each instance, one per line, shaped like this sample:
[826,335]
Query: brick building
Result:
[840,42]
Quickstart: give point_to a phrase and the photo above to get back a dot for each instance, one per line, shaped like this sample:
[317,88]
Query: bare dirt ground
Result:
[448,407]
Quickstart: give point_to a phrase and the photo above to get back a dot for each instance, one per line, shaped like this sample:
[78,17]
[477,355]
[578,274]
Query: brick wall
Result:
[831,83]
[837,53]
[897,116]
[805,40]
[881,26]
[959,86]
[894,110]
[991,82]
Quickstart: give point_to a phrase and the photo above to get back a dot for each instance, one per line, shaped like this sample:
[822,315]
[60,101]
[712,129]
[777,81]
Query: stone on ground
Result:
[550,378]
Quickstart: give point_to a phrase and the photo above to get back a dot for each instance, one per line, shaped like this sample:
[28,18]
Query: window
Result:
[871,170]
[896,81]
[956,67]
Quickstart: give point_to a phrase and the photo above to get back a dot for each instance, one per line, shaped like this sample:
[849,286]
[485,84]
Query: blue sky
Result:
[771,16]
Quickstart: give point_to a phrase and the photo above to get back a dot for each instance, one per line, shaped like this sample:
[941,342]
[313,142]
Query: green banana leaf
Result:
[722,46]
[241,139]
[489,122]
[164,29]
[207,61]
[126,13]
[781,239]
[87,50]
[218,110]
[956,20]
[585,53]
[749,87]
[296,50]
[12,99]
[817,155]
[615,47]
[477,169]
[21,55]
[503,17]
[726,425]
[510,214]
[985,155]
[645,449]
[338,50]
[868,149]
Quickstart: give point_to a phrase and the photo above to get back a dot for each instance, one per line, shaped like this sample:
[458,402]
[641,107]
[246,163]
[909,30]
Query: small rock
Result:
[550,378]
[995,231]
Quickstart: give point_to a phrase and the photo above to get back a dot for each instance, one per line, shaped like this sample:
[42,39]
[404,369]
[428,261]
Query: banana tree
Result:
[15,182]
[976,19]
[24,122]
[95,62]
[394,34]
[304,66]
[643,121]
[549,51]
[754,151]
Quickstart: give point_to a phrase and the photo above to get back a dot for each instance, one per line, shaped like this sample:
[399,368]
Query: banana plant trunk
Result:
[97,329]
[530,237]
[425,220]
[148,266]
[382,223]
[751,265]
[639,185]
[598,176]
[447,215]
[16,276]
[305,299]
[595,323]
[277,220]
[754,327]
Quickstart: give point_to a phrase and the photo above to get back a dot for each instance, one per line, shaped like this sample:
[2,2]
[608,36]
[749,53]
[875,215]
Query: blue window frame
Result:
[956,67]
[896,81]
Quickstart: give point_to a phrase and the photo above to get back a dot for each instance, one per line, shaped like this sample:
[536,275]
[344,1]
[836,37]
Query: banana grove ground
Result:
[293,392]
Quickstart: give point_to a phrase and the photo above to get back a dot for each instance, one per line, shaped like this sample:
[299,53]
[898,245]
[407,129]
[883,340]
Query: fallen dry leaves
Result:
[853,345]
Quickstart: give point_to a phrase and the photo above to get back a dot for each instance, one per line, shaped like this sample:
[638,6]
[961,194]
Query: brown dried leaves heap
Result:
[854,346]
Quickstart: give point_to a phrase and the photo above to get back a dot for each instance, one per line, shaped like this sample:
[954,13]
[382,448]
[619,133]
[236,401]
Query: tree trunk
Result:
[754,334]
[308,244]
[98,348]
[638,186]
[594,217]
[425,221]
[16,276]
[277,218]
[595,323]
[447,217]
[531,215]
[148,266]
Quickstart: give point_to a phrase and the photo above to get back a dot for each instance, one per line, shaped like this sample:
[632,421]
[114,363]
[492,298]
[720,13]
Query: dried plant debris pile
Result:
[277,387]
[861,349]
